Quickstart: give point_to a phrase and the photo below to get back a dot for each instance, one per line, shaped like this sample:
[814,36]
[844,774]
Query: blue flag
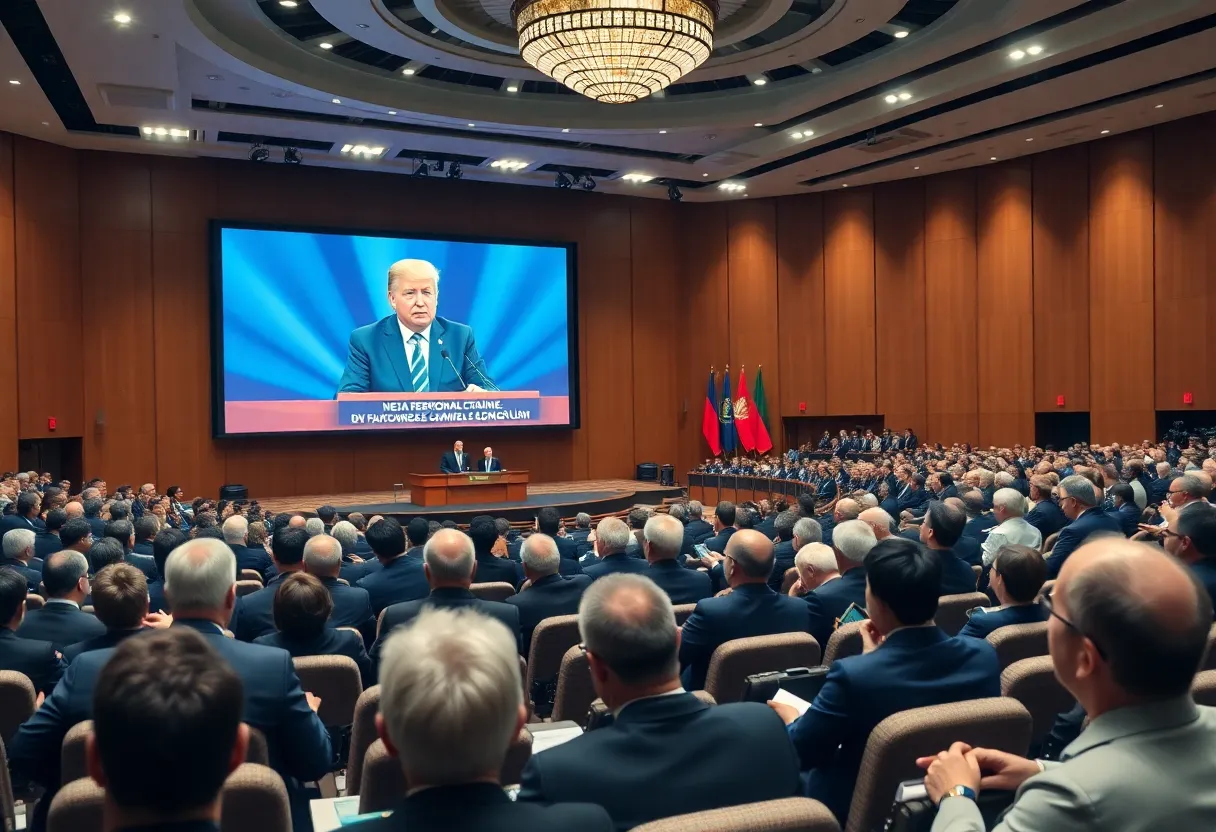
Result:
[726,417]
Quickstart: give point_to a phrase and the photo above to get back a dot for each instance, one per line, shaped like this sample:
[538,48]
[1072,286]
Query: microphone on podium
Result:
[448,358]
[489,384]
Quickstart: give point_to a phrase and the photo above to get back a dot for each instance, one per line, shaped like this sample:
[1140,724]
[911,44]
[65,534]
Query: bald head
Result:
[297,521]
[74,509]
[663,536]
[752,553]
[449,558]
[878,520]
[847,509]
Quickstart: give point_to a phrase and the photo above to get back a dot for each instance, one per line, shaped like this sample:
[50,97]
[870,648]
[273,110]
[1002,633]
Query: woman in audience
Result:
[302,606]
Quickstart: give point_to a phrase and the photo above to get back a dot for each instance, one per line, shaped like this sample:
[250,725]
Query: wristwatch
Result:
[960,791]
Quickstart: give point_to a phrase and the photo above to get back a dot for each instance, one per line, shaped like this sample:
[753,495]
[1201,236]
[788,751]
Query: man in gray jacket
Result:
[1128,630]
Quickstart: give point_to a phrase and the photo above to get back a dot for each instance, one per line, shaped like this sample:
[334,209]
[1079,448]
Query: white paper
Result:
[544,740]
[786,698]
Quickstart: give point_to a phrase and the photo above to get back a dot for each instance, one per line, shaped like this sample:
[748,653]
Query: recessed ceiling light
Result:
[122,18]
[471,124]
[1034,50]
[46,124]
[147,130]
[637,177]
[215,77]
[363,25]
[705,174]
[408,71]
[512,88]
[902,33]
[336,100]
[916,168]
[992,158]
[1158,107]
[1017,54]
[891,99]
[508,164]
[732,187]
[392,112]
[758,124]
[565,129]
[795,135]
[290,4]
[161,131]
[325,45]
[904,96]
[760,82]
[14,82]
[1030,140]
[1104,132]
[845,185]
[661,132]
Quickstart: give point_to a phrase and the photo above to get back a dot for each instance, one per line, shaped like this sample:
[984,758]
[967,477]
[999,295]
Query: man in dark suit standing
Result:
[491,568]
[1018,573]
[549,593]
[36,659]
[253,614]
[910,441]
[785,548]
[450,670]
[450,567]
[660,733]
[19,555]
[940,532]
[352,605]
[663,537]
[1045,515]
[47,543]
[61,622]
[918,665]
[488,461]
[751,609]
[1080,504]
[611,538]
[400,576]
[455,461]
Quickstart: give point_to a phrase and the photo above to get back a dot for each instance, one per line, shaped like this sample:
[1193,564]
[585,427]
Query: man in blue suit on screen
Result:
[414,350]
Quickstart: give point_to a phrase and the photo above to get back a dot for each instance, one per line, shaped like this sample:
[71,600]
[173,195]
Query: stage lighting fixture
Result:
[292,156]
[423,168]
[259,153]
[673,192]
[454,170]
[563,180]
[588,182]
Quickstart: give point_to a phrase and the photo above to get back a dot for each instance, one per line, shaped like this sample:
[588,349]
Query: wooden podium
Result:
[468,488]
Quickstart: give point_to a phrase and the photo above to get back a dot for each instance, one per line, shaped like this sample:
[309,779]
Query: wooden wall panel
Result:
[1121,288]
[899,304]
[800,310]
[1185,263]
[951,336]
[1060,181]
[848,281]
[51,361]
[8,309]
[1005,305]
[704,236]
[752,266]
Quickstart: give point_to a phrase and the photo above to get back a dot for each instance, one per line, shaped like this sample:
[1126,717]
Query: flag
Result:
[709,420]
[743,414]
[726,416]
[764,442]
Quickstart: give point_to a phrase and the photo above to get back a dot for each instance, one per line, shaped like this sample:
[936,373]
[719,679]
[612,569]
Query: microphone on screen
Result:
[448,359]
[489,384]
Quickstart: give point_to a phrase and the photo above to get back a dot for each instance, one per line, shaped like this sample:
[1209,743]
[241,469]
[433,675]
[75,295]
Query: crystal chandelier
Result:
[615,51]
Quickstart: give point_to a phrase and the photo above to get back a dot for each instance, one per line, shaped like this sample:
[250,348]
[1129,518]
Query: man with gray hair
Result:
[236,534]
[200,582]
[92,512]
[660,734]
[548,592]
[785,549]
[314,526]
[878,520]
[662,538]
[347,536]
[1009,509]
[611,540]
[352,604]
[1080,505]
[61,622]
[752,608]
[852,540]
[696,530]
[816,565]
[449,565]
[450,707]
[18,552]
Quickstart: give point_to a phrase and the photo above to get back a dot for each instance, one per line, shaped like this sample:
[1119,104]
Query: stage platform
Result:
[592,496]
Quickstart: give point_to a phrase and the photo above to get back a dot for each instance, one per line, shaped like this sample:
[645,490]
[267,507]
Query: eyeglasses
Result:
[1049,605]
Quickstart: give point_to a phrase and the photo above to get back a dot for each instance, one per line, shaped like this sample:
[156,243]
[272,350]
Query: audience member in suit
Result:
[400,576]
[92,515]
[201,582]
[816,565]
[362,550]
[352,567]
[637,522]
[76,535]
[1008,509]
[142,722]
[1045,514]
[1160,487]
[122,532]
[1080,504]
[852,541]
[1128,629]
[548,593]
[1191,537]
[664,537]
[946,486]
[489,567]
[806,531]
[163,544]
[846,509]
[120,602]
[611,538]
[705,757]
[1018,573]
[18,555]
[253,614]
[450,568]
[61,622]
[352,606]
[450,706]
[696,530]
[47,543]
[303,608]
[236,531]
[36,659]
[908,662]
[979,519]
[28,505]
[725,518]
[104,552]
[784,550]
[146,528]
[549,522]
[751,608]
[913,496]
[1124,510]
[941,530]
[454,461]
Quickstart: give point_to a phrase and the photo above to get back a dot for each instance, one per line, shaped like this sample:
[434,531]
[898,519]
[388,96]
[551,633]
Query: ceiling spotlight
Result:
[259,152]
[15,82]
[845,185]
[292,156]
[1158,107]
[161,131]
[563,181]
[147,131]
[508,164]
[1030,140]
[325,45]
[215,77]
[422,169]
[588,182]
[905,96]
[732,187]
[637,177]
[392,112]
[661,132]
[122,18]
[1034,50]
[917,167]
[288,4]
[513,88]
[891,99]
[1104,132]
[565,129]
[336,101]
[902,33]
[796,135]
[992,158]
[454,170]
[1017,54]
[408,71]
[758,124]
[705,174]
[760,82]
[674,193]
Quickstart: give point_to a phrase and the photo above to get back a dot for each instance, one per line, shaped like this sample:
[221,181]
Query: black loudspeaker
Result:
[648,472]
[234,492]
[667,475]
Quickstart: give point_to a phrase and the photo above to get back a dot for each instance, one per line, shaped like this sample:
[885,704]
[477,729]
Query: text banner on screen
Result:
[420,409]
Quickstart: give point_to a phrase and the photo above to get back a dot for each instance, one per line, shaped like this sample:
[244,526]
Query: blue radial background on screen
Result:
[291,300]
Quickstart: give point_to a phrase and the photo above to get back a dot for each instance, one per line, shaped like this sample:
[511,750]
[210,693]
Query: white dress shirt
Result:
[1014,530]
[425,345]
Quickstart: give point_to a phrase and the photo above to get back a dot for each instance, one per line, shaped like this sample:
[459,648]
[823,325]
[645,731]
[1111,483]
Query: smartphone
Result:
[853,613]
[701,549]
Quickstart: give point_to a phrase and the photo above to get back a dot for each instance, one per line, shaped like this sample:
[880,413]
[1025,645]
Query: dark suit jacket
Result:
[253,614]
[957,575]
[751,610]
[694,750]
[1092,521]
[352,608]
[448,464]
[1205,570]
[456,599]
[36,659]
[490,569]
[783,559]
[493,465]
[144,563]
[32,576]
[828,602]
[484,807]
[683,586]
[11,521]
[913,668]
[1159,488]
[912,501]
[377,363]
[950,490]
[1128,517]
[717,543]
[697,531]
[143,547]
[46,544]
[550,596]
[619,562]
[1047,517]
[976,526]
[249,557]
[968,549]
[331,642]
[98,526]
[156,596]
[108,639]
[274,704]
[987,494]
[60,624]
[401,579]
[981,623]
[768,526]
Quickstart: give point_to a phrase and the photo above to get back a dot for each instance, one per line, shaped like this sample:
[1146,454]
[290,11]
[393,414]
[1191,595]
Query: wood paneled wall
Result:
[958,304]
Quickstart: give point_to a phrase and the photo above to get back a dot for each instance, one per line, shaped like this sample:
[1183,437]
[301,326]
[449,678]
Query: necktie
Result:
[418,365]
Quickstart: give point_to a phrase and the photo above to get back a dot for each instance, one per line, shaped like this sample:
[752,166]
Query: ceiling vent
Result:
[145,98]
[887,142]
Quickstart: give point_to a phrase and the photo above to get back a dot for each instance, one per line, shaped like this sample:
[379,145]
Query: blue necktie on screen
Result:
[418,365]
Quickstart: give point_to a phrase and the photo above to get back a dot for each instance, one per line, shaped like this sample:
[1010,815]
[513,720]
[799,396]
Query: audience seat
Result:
[979,573]
[8,803]
[17,698]
[682,611]
[336,680]
[34,602]
[1209,662]
[1204,688]
[788,579]
[896,742]
[73,764]
[1047,587]
[246,587]
[250,575]
[550,641]
[258,751]
[1050,542]
[793,814]
[1019,641]
[844,642]
[575,693]
[739,658]
[493,591]
[952,610]
[362,735]
[1033,683]
[379,622]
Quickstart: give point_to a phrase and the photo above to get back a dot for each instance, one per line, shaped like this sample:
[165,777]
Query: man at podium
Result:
[488,461]
[454,461]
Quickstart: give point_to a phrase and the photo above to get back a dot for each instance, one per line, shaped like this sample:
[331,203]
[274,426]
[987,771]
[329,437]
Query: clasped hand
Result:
[963,765]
